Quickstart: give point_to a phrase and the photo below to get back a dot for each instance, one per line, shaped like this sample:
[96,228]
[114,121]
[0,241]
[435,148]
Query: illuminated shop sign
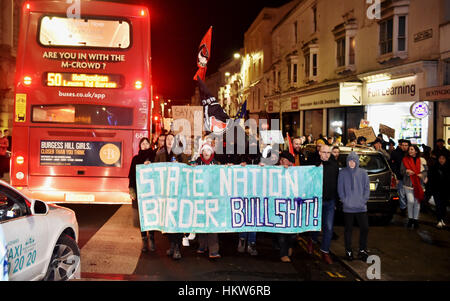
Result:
[66,79]
[419,109]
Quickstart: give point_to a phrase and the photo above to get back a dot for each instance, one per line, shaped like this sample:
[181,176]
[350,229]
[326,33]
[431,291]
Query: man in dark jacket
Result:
[329,197]
[396,162]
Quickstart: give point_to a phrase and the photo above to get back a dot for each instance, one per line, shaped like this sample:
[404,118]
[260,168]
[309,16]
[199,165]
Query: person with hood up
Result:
[354,191]
[144,156]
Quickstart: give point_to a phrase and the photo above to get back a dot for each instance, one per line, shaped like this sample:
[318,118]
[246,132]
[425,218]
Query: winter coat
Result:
[396,161]
[439,179]
[140,158]
[407,179]
[354,186]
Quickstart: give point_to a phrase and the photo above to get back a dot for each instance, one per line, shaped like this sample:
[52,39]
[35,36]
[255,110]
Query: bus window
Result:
[60,31]
[83,114]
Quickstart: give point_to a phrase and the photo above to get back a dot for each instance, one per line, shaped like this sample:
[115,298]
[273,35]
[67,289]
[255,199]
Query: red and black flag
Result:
[204,53]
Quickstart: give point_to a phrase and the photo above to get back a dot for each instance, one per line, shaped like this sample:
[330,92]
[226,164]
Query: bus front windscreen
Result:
[93,33]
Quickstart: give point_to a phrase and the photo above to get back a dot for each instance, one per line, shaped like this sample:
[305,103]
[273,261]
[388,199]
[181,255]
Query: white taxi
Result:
[37,241]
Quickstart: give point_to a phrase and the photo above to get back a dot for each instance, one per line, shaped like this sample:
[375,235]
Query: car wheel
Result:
[65,260]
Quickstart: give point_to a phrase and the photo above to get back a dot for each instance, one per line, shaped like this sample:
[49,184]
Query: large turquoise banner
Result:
[178,198]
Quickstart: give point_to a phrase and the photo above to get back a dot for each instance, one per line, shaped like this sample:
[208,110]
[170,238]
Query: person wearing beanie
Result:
[354,191]
[208,241]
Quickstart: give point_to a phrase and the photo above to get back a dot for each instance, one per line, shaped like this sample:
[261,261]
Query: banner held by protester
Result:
[178,198]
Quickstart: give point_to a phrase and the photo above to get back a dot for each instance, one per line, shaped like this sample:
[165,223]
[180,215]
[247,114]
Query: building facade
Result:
[323,67]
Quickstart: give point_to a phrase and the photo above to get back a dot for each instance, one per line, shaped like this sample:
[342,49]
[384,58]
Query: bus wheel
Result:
[65,260]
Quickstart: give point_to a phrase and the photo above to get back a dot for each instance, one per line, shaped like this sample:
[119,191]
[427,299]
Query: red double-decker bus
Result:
[82,100]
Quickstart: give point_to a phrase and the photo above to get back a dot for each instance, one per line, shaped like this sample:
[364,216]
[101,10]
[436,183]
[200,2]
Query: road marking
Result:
[335,274]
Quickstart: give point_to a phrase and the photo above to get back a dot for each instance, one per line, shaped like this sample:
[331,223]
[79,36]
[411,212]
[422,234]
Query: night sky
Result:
[178,26]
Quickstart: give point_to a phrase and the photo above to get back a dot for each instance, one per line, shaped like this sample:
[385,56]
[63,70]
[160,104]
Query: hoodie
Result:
[354,186]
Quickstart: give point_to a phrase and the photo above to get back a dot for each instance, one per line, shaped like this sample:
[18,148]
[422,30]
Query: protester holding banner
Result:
[413,173]
[354,191]
[145,156]
[330,195]
[208,241]
[286,241]
[160,146]
[168,155]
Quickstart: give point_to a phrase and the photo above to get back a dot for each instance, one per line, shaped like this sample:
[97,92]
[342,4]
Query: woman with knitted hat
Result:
[208,241]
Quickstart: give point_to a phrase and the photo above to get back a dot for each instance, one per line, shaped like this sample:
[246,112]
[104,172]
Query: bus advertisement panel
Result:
[82,95]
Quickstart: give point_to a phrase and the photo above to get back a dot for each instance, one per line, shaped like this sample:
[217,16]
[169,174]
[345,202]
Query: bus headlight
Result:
[27,80]
[20,175]
[138,85]
[20,160]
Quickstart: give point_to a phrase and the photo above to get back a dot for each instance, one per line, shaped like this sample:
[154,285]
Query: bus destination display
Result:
[85,80]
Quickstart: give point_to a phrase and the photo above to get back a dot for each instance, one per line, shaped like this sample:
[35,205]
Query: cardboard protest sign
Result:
[384,129]
[178,198]
[366,132]
[184,118]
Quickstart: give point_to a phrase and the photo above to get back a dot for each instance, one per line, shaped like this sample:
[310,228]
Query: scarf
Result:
[207,162]
[415,180]
[144,155]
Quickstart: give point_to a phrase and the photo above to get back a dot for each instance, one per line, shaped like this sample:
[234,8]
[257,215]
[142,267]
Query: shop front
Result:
[392,99]
[440,96]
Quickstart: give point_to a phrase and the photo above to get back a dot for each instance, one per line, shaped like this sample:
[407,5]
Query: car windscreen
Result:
[373,163]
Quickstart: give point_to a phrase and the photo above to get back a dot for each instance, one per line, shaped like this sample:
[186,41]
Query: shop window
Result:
[313,122]
[343,121]
[291,124]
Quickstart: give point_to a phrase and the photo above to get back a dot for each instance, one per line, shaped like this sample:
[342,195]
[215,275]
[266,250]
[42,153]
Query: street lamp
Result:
[237,55]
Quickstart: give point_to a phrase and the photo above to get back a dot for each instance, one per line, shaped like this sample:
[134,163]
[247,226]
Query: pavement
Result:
[404,254]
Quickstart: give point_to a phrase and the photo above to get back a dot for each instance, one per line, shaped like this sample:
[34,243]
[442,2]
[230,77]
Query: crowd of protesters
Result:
[420,176]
